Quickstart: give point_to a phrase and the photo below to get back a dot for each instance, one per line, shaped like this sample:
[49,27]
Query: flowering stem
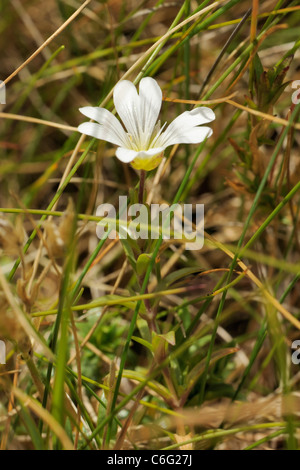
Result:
[141,187]
[150,318]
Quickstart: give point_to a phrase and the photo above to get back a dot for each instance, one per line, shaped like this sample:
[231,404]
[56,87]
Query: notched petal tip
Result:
[206,114]
[125,155]
[123,90]
[150,88]
[86,110]
[83,128]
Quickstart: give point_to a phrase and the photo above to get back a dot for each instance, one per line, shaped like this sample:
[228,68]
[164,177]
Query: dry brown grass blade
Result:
[169,33]
[269,117]
[196,102]
[10,407]
[50,39]
[254,51]
[18,117]
[79,385]
[271,408]
[227,99]
[90,333]
[254,16]
[28,328]
[43,414]
[256,281]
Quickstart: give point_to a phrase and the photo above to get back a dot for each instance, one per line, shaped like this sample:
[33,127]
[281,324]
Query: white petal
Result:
[184,124]
[127,155]
[128,106]
[112,128]
[99,132]
[151,99]
[194,135]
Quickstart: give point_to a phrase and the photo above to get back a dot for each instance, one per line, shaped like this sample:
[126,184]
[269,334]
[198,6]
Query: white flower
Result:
[143,141]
